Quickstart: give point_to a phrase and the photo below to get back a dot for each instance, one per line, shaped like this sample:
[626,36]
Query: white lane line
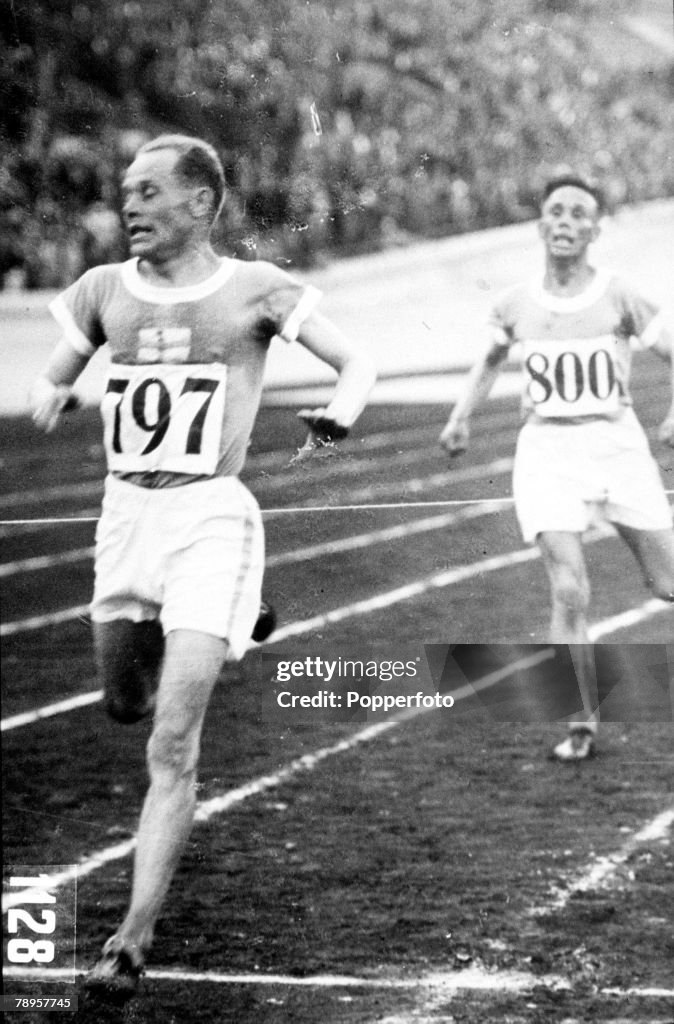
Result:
[353,542]
[86,489]
[269,460]
[600,629]
[274,513]
[264,461]
[405,593]
[60,707]
[417,485]
[48,521]
[632,617]
[641,993]
[24,527]
[449,577]
[9,568]
[216,978]
[657,37]
[206,809]
[604,628]
[94,696]
[363,607]
[363,495]
[602,873]
[472,979]
[385,535]
[325,470]
[39,562]
[80,611]
[475,979]
[426,437]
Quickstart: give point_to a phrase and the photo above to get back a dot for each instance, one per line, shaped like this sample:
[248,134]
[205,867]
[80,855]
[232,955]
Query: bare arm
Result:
[480,382]
[51,391]
[356,375]
[664,347]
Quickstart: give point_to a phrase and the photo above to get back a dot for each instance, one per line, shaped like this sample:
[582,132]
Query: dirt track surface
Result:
[386,867]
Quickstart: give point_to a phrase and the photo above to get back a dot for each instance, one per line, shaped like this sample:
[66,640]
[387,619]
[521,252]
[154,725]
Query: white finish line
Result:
[475,979]
[443,983]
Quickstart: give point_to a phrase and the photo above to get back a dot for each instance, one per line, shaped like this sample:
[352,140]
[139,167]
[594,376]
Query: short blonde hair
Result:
[198,163]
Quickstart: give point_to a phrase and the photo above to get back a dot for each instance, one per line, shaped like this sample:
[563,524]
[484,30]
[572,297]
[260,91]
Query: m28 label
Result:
[41,926]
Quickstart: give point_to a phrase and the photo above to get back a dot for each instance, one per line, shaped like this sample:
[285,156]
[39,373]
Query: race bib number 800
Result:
[574,377]
[164,417]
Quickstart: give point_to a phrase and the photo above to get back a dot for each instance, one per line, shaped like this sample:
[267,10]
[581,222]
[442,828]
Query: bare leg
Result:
[570,593]
[654,551]
[192,665]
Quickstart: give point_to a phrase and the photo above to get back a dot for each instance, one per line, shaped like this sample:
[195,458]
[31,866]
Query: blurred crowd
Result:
[387,142]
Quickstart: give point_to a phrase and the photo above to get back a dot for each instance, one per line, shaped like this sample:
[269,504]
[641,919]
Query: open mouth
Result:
[136,232]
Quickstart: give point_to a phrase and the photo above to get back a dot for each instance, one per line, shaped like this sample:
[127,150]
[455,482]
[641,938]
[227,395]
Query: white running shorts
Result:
[568,474]
[191,556]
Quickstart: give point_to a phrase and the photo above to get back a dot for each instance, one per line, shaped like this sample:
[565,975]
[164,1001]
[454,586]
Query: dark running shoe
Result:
[115,978]
[266,623]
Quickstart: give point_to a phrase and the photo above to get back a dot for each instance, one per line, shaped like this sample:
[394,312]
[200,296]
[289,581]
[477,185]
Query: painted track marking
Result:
[220,804]
[474,978]
[357,541]
[80,611]
[265,461]
[604,869]
[24,527]
[385,599]
[631,617]
[39,562]
[608,626]
[92,488]
[475,510]
[357,497]
[60,707]
[59,492]
[445,984]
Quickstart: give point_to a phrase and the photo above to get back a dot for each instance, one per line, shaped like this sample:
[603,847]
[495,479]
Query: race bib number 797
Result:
[575,377]
[164,417]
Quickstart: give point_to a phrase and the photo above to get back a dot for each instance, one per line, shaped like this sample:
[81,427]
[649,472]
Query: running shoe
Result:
[266,623]
[115,977]
[578,746]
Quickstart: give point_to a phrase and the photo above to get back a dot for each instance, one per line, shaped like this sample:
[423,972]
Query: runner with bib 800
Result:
[581,451]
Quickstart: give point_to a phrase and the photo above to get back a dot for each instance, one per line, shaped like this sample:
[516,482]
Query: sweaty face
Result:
[157,211]
[569,222]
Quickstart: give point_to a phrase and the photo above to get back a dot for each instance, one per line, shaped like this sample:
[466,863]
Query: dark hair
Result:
[197,163]
[575,181]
